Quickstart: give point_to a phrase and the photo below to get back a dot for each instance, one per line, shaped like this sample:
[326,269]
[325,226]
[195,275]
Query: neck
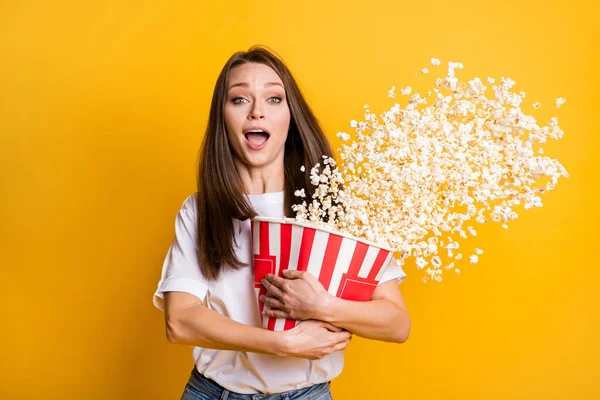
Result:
[264,179]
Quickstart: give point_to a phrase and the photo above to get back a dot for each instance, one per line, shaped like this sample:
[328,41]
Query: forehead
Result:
[253,74]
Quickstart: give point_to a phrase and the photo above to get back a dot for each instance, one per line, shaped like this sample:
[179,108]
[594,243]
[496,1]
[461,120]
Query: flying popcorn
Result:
[391,93]
[343,136]
[434,168]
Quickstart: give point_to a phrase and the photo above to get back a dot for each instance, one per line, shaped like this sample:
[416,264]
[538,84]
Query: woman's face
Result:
[256,101]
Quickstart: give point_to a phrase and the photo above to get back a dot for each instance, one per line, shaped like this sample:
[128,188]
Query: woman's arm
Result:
[302,296]
[190,322]
[383,318]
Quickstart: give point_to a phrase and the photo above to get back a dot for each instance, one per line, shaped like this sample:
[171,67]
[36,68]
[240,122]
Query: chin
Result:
[259,160]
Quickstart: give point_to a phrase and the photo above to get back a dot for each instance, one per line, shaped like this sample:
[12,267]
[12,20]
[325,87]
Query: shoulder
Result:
[190,204]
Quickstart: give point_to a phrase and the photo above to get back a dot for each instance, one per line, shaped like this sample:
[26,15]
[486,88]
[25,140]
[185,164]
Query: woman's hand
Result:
[301,296]
[314,340]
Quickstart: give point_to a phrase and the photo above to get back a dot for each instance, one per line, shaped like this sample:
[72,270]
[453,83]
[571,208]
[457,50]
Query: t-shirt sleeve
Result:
[393,271]
[181,269]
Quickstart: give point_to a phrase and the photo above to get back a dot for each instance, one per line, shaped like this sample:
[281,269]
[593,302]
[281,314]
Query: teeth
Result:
[255,130]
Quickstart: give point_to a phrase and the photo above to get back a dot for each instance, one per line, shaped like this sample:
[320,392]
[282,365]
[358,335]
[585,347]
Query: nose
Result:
[256,112]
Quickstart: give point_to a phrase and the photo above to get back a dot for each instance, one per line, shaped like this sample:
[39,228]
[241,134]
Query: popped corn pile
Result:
[429,169]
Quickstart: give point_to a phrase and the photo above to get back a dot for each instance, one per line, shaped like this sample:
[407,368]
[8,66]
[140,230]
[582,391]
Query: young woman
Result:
[260,131]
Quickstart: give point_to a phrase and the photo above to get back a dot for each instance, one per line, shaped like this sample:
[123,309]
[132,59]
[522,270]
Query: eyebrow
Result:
[244,84]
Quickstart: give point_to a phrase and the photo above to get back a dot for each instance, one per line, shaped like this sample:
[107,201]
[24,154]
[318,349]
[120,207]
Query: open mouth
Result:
[257,139]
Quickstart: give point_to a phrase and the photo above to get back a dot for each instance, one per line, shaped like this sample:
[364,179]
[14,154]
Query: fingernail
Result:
[262,298]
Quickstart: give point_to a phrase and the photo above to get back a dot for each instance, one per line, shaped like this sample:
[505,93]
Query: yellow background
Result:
[102,108]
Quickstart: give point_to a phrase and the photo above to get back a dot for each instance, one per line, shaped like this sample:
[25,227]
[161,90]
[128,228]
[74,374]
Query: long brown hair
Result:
[220,189]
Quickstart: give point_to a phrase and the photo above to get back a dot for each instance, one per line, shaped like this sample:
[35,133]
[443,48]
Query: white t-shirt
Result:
[233,296]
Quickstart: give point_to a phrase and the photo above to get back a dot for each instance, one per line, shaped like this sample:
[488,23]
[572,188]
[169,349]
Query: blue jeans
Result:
[200,387]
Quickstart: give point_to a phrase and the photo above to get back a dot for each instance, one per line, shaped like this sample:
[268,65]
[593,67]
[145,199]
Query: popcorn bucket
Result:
[348,267]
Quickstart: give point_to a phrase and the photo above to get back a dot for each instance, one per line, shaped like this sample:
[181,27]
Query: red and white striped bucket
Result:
[348,267]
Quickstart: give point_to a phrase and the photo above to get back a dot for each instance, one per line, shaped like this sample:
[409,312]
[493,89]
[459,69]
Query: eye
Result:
[279,99]
[235,100]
